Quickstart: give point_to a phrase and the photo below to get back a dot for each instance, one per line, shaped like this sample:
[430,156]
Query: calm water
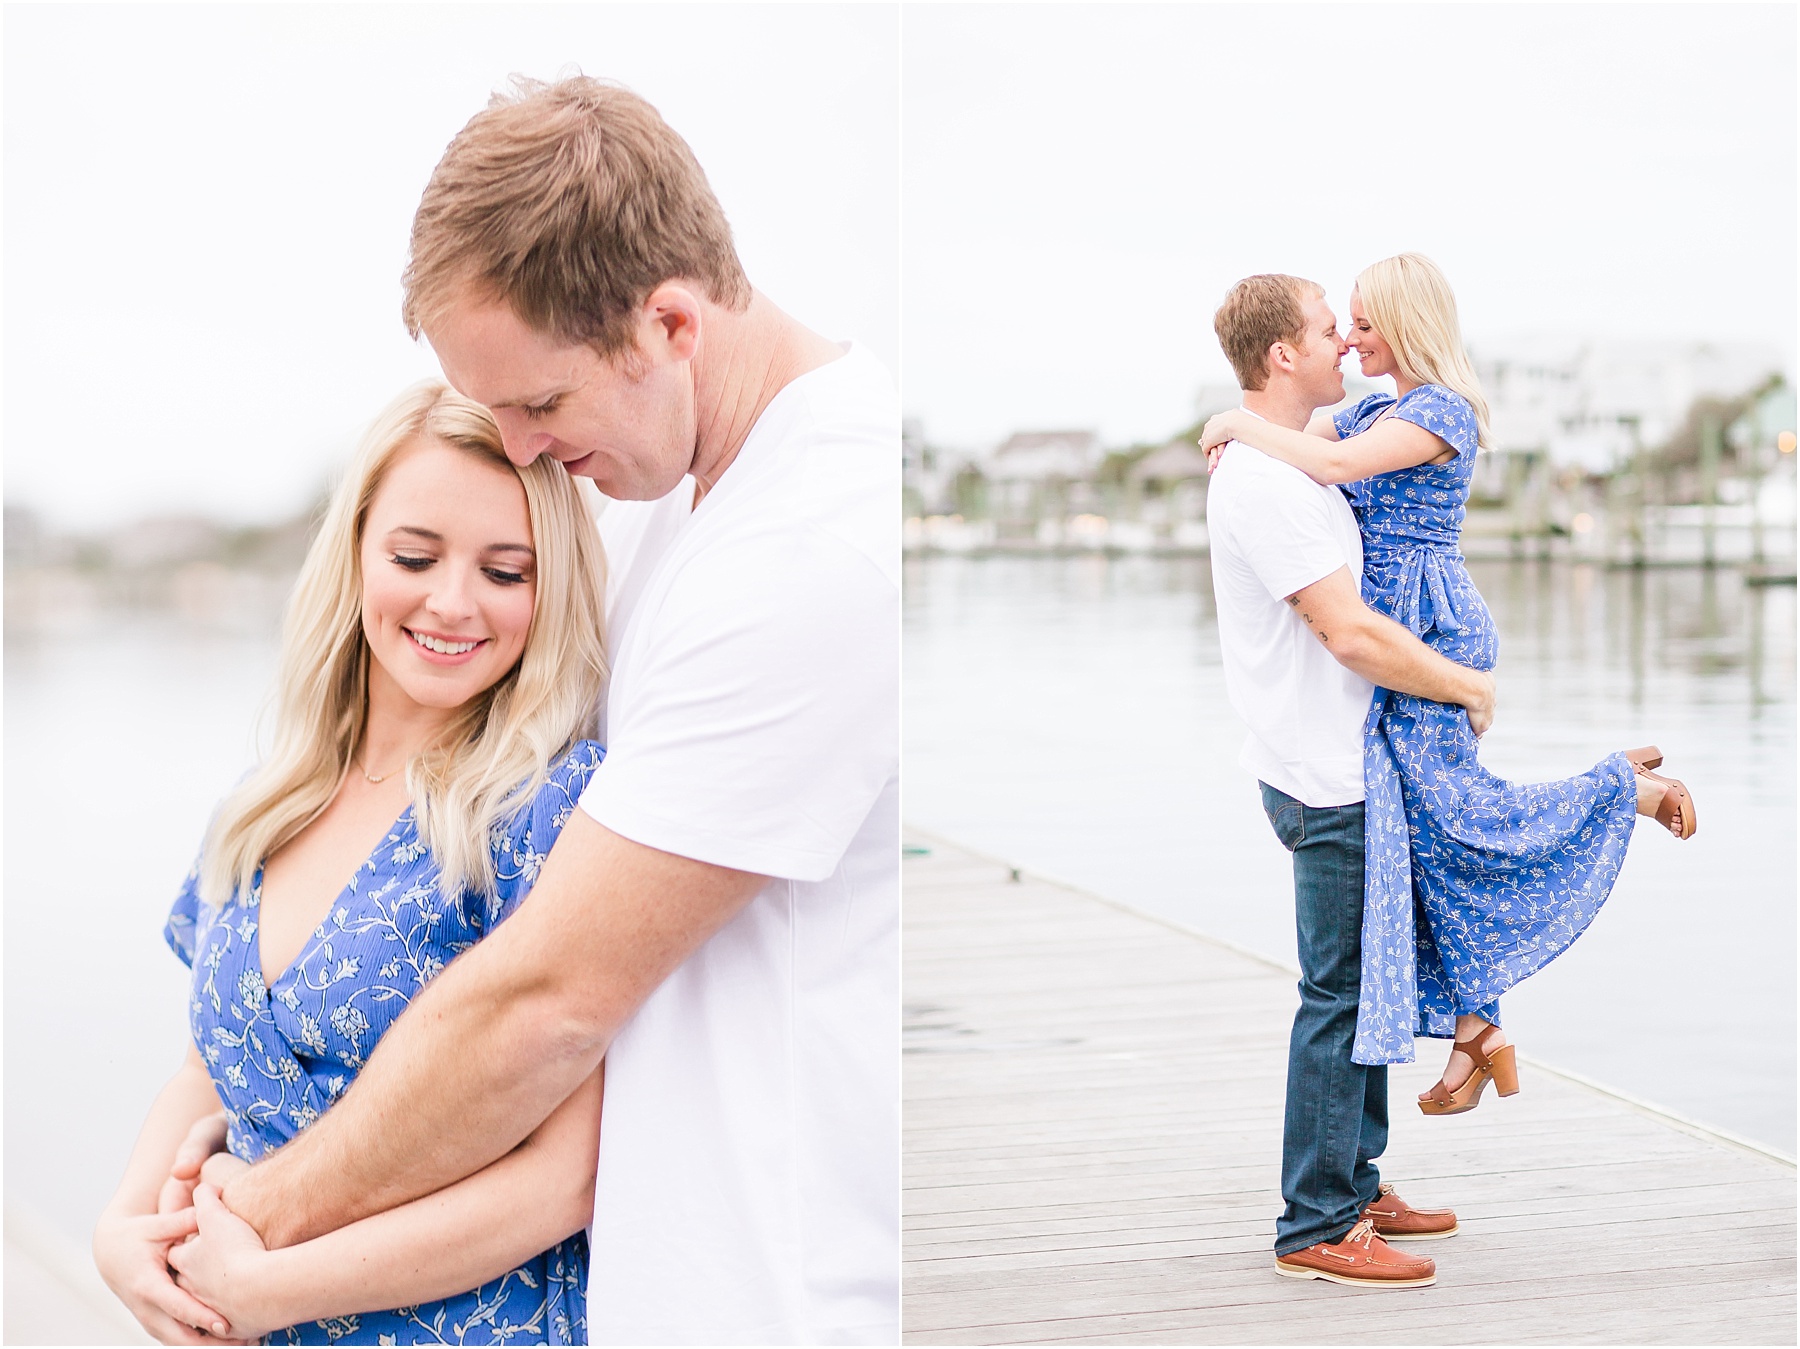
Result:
[1065,713]
[117,747]
[1069,715]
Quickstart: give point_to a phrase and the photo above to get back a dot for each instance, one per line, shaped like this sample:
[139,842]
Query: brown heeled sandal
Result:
[1499,1066]
[1676,797]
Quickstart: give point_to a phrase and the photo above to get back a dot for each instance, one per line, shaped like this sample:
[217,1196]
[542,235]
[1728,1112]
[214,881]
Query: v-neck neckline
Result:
[388,836]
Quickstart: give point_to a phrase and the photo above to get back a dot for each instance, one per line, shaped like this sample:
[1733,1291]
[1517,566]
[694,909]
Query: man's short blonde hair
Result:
[1259,312]
[569,202]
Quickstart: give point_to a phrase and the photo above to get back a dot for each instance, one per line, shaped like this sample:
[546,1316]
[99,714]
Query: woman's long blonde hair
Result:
[1409,303]
[493,755]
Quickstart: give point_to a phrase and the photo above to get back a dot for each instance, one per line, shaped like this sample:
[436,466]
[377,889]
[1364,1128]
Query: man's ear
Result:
[669,323]
[1281,357]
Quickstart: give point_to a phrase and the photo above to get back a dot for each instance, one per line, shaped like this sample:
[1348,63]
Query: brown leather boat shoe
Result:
[1360,1259]
[1397,1220]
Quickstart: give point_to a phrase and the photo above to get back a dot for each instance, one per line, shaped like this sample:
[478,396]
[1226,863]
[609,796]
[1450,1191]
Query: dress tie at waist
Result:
[1418,571]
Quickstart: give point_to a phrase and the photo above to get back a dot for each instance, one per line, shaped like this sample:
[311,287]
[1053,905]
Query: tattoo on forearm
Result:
[1294,601]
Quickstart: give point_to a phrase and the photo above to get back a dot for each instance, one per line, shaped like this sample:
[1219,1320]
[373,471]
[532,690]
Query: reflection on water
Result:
[1069,714]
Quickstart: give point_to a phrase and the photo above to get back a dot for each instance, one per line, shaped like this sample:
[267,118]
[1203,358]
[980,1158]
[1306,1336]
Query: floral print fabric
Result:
[1470,882]
[281,1054]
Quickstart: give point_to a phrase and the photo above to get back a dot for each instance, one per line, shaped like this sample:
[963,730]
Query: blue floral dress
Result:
[1471,882]
[281,1055]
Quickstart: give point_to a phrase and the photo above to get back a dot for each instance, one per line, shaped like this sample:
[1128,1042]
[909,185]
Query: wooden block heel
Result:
[1500,1068]
[1506,1071]
[1677,802]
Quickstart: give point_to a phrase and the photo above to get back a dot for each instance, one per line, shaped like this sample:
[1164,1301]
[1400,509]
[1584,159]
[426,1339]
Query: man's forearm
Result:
[481,1041]
[500,1038]
[458,1238]
[1388,655]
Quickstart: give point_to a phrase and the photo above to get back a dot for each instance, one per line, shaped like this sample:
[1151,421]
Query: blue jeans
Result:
[1337,1121]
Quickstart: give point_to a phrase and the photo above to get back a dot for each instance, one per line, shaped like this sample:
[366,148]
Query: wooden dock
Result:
[1093,1104]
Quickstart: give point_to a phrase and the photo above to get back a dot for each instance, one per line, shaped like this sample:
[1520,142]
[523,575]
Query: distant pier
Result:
[1093,1105]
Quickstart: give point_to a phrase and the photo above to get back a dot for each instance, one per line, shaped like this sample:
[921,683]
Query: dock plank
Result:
[1092,1144]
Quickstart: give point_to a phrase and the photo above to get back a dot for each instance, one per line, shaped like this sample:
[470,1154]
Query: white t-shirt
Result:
[1274,531]
[748,1189]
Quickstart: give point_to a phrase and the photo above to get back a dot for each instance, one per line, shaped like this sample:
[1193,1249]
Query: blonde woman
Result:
[1506,874]
[441,660]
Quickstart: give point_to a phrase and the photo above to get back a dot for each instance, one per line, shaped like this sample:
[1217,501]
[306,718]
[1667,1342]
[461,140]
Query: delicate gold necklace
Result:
[371,777]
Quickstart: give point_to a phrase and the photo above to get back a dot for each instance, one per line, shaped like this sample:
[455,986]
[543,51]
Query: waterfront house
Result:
[1593,404]
[1040,475]
[1168,486]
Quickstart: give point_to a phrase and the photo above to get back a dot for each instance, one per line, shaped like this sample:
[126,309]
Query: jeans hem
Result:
[1281,1250]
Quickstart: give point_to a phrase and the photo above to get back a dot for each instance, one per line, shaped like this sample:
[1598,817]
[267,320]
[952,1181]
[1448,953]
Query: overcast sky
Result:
[206,213]
[206,207]
[1082,184]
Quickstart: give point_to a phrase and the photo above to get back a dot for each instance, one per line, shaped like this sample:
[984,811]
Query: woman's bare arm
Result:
[1388,445]
[132,1239]
[434,1247]
[1323,426]
[185,1099]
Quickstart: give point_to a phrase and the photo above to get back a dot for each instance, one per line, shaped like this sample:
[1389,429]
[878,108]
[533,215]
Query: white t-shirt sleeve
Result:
[1287,538]
[761,721]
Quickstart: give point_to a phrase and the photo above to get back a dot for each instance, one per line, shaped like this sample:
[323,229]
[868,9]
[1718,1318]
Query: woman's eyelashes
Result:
[505,576]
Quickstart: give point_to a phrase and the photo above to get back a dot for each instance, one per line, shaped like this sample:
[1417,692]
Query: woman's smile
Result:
[444,650]
[449,577]
[1373,354]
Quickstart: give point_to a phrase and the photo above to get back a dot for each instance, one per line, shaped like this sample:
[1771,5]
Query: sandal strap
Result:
[1675,800]
[1477,1055]
[1478,1061]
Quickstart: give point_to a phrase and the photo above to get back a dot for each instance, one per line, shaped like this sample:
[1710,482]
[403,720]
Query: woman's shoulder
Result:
[187,916]
[1358,415]
[576,764]
[564,781]
[541,816]
[1444,412]
[1437,395]
[192,913]
[520,845]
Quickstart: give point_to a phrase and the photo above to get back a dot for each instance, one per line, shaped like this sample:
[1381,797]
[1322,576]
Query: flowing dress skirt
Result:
[1471,882]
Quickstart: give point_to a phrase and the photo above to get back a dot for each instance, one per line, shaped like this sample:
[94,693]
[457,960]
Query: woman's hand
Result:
[204,1140]
[226,1264]
[176,1194]
[221,1167]
[1219,428]
[132,1253]
[205,1137]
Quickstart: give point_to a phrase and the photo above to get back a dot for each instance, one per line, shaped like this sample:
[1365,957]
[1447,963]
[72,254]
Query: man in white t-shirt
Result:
[720,919]
[1302,655]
